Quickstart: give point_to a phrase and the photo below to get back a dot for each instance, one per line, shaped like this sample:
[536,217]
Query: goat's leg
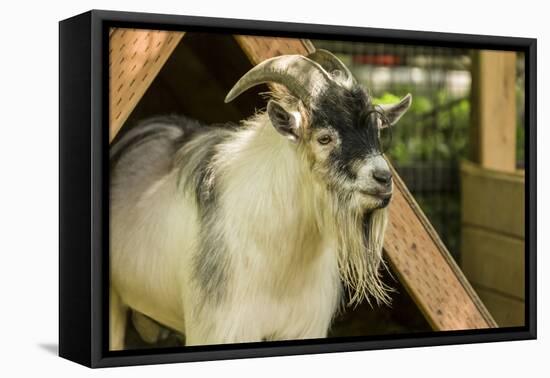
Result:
[117,321]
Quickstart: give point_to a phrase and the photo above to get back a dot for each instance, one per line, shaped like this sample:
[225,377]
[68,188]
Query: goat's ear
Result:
[394,112]
[286,123]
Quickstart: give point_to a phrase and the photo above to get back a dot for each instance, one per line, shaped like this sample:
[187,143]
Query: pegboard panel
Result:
[416,253]
[427,269]
[259,49]
[135,58]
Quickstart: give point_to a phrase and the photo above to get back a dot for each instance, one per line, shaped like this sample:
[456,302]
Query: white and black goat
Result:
[250,233]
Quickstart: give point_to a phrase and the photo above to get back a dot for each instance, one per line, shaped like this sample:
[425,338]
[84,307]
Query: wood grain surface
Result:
[135,58]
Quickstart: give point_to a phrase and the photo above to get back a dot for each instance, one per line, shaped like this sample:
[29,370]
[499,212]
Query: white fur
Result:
[288,253]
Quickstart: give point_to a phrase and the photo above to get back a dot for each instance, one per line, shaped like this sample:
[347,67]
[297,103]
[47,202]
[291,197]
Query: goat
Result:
[254,232]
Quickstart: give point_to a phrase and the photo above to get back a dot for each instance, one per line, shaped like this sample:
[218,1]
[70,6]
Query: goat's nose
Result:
[383,176]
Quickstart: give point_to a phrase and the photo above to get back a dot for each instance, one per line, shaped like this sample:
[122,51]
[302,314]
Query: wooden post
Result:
[493,239]
[493,135]
[493,191]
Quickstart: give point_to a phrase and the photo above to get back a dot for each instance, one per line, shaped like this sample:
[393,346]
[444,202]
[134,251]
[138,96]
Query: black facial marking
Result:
[352,115]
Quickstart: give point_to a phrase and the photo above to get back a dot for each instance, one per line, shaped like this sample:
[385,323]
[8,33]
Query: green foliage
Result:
[434,129]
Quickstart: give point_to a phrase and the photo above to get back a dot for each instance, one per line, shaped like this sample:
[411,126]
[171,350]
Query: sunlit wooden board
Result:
[427,269]
[135,58]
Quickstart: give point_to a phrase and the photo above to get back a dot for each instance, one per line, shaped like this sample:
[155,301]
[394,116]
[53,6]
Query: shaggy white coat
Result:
[290,245]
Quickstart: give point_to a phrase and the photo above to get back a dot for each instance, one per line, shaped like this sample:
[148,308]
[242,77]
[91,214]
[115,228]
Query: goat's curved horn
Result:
[331,63]
[303,77]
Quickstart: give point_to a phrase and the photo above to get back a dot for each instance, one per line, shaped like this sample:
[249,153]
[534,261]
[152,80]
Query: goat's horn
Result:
[303,77]
[330,63]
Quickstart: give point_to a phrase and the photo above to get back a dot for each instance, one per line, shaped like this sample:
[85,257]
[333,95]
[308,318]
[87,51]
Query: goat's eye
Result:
[325,139]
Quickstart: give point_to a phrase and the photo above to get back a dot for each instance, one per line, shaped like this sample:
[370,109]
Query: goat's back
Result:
[145,153]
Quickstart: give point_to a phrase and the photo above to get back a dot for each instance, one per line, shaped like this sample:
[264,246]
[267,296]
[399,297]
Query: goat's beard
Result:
[360,241]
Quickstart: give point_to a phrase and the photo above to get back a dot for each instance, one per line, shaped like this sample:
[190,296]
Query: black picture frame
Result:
[83,181]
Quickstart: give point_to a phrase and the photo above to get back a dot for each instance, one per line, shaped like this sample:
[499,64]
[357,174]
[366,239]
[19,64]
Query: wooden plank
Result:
[427,270]
[258,49]
[416,253]
[494,109]
[135,58]
[508,311]
[493,200]
[494,261]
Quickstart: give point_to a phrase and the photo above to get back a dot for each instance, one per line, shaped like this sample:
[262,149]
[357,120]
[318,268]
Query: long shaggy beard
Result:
[360,242]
